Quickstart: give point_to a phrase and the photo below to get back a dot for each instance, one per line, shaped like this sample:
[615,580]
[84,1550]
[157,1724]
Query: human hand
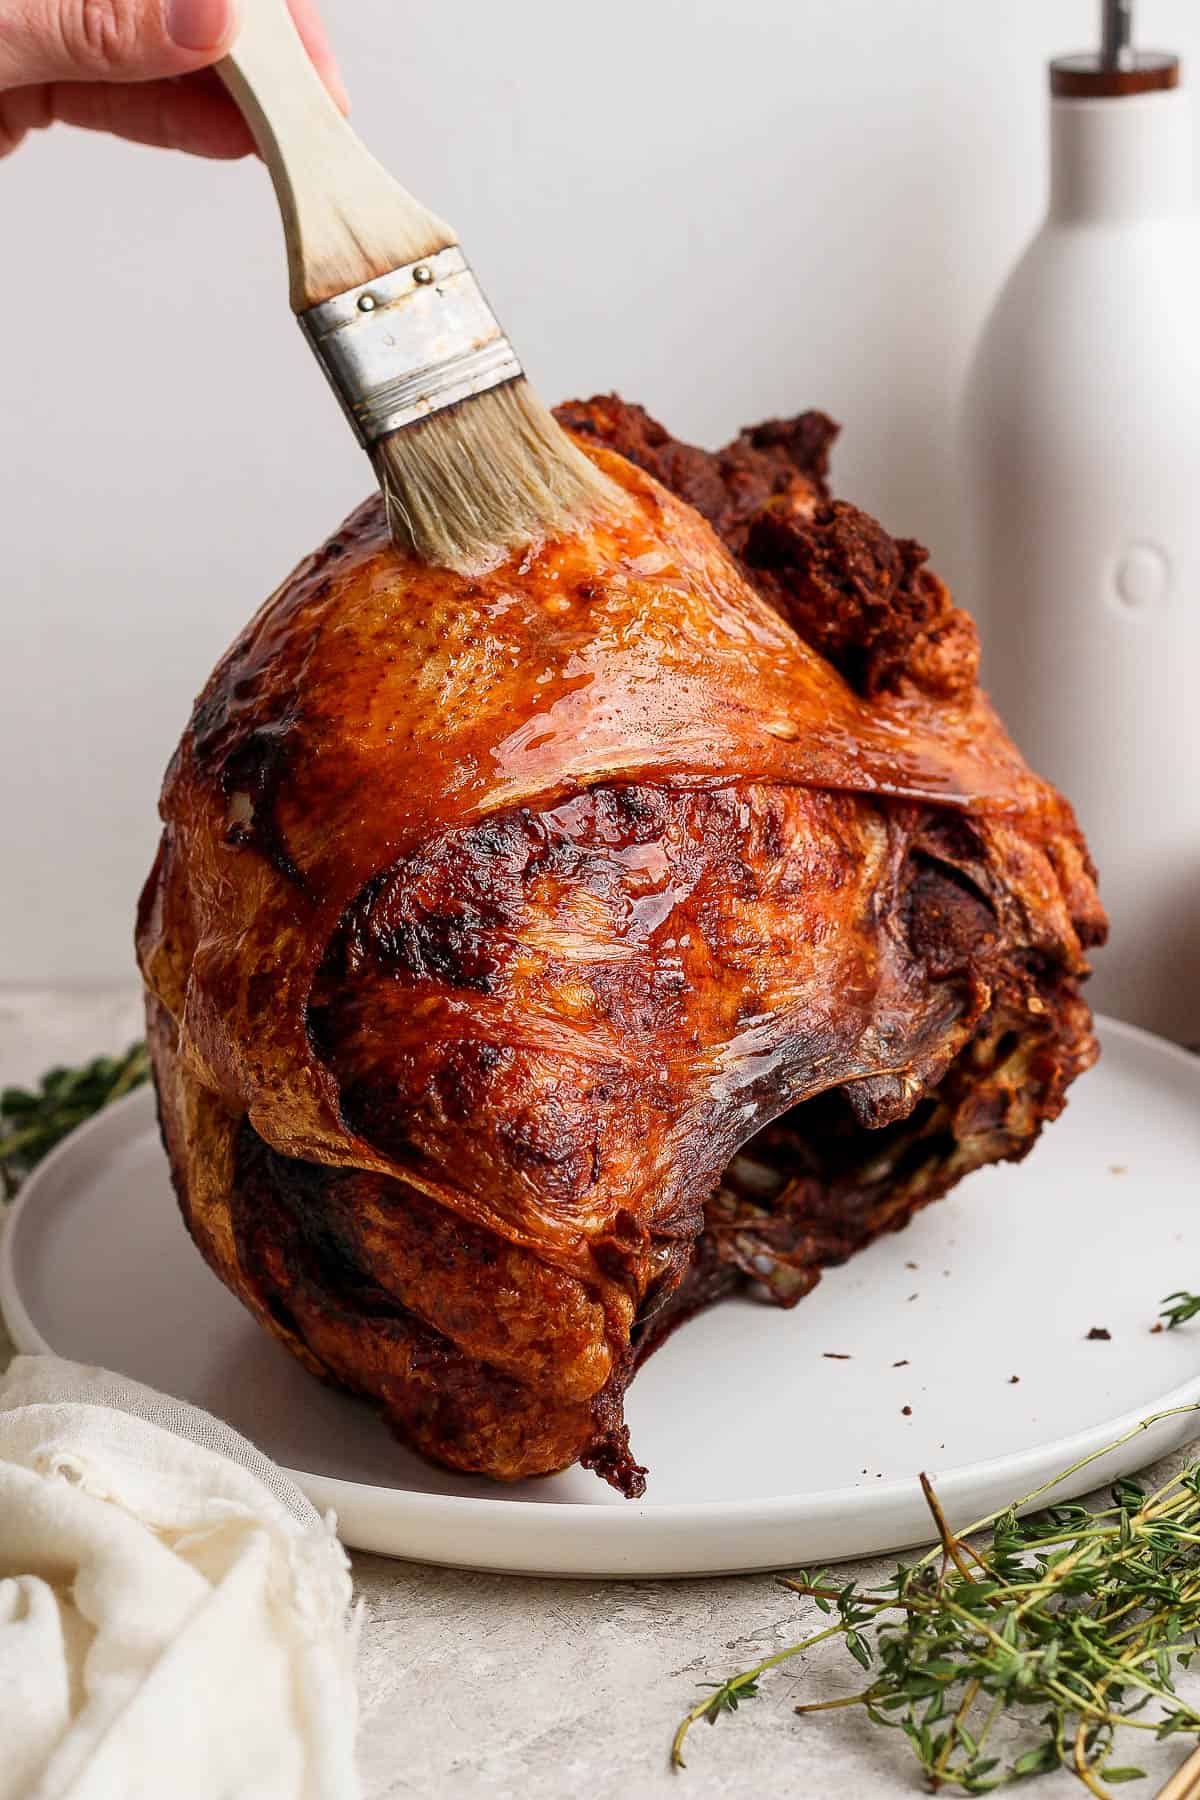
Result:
[137,68]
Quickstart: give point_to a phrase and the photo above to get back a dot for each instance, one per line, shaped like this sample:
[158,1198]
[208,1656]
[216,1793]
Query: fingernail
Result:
[199,24]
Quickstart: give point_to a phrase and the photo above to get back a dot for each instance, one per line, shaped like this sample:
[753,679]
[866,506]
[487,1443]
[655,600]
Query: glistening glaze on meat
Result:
[532,959]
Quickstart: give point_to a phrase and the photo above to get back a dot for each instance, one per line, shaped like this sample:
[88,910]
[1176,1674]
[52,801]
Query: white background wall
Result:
[721,208]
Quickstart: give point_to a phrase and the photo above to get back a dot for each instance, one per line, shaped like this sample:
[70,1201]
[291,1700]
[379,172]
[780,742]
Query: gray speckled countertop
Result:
[476,1684]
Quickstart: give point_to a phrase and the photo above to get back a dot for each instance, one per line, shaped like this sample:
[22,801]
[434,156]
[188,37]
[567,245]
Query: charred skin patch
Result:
[595,953]
[252,776]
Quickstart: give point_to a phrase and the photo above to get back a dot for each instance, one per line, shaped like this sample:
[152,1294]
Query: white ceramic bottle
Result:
[1082,457]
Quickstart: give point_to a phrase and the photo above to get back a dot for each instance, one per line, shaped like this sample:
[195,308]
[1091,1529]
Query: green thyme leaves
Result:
[1178,1308]
[33,1121]
[1069,1623]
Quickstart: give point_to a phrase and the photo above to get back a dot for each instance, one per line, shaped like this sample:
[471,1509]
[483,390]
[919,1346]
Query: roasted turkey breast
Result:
[532,959]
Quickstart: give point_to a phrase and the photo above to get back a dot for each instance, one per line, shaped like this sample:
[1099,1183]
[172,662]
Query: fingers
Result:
[111,40]
[195,114]
[120,66]
[135,40]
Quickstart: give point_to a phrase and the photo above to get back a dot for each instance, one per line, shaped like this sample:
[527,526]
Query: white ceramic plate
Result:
[763,1450]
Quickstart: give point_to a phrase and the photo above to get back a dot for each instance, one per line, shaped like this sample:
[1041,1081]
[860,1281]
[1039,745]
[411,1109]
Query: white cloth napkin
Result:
[175,1618]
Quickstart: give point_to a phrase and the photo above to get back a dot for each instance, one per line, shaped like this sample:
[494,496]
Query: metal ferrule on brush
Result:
[409,344]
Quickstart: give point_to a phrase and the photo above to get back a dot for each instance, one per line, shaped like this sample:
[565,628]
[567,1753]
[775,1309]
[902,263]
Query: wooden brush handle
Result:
[346,220]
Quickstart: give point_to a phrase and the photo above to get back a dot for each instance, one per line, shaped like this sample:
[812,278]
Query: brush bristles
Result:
[468,485]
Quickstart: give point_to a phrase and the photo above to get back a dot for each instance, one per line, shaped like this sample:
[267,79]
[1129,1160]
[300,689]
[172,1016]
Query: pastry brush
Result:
[471,463]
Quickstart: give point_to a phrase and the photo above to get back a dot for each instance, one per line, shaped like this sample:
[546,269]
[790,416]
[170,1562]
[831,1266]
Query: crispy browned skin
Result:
[532,959]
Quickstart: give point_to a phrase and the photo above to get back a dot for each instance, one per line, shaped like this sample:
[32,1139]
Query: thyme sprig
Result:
[1072,1622]
[33,1121]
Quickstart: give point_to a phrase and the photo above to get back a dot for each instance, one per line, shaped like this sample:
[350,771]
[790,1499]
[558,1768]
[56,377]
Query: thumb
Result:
[111,40]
